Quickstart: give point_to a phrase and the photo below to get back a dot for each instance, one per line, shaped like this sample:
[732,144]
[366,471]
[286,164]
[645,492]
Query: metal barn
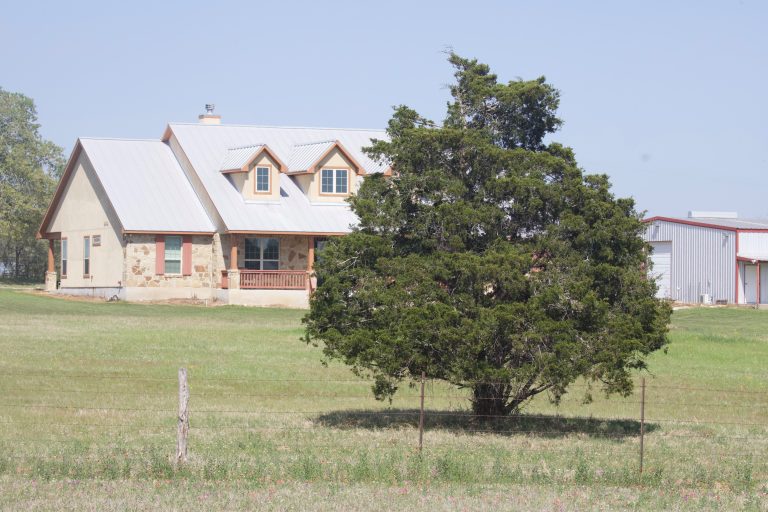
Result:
[710,257]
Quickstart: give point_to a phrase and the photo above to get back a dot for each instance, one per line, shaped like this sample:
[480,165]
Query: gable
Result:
[83,203]
[337,158]
[245,182]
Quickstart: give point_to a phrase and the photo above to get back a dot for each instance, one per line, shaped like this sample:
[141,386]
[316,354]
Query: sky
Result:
[667,98]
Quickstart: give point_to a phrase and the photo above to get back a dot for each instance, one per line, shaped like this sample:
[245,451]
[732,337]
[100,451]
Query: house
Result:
[710,257]
[209,211]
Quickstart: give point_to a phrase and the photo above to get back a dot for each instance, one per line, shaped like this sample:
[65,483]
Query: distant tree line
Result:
[30,167]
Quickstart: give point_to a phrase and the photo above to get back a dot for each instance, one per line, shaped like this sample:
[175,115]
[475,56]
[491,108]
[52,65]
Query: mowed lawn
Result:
[88,398]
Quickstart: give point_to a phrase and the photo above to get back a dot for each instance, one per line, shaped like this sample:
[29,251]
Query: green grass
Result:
[88,395]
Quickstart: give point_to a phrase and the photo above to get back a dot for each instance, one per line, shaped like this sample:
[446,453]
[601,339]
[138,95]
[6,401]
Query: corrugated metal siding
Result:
[703,260]
[753,245]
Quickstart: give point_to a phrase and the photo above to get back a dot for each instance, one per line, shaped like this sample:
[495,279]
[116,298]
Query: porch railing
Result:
[273,279]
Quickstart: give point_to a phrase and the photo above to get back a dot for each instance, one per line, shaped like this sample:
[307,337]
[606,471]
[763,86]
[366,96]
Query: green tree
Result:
[489,260]
[29,169]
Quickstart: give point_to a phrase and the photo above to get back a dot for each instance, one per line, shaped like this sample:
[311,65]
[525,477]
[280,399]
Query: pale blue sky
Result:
[668,98]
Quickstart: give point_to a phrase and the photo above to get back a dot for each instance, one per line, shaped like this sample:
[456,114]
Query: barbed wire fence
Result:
[178,420]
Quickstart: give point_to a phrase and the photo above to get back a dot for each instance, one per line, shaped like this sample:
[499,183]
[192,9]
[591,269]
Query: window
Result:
[341,181]
[262,253]
[63,257]
[334,181]
[86,256]
[262,179]
[173,255]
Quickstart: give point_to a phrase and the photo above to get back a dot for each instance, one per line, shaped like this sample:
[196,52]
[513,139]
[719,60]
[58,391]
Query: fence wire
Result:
[55,412]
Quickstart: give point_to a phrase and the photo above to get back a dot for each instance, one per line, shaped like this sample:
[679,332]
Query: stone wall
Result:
[293,251]
[140,264]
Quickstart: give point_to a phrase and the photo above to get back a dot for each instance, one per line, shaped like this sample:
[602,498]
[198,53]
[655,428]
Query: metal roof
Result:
[716,222]
[302,156]
[146,186]
[236,158]
[206,145]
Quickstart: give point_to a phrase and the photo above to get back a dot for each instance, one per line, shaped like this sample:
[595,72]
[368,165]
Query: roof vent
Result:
[209,117]
[712,215]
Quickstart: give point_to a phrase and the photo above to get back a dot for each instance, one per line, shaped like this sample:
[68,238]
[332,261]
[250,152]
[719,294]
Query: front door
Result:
[750,284]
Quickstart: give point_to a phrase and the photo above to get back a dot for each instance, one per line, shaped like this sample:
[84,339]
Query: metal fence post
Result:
[642,422]
[421,415]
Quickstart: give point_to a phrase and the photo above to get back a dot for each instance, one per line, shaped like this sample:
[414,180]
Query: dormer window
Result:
[334,181]
[262,180]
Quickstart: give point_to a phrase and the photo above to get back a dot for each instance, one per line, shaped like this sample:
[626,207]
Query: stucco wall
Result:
[140,264]
[84,210]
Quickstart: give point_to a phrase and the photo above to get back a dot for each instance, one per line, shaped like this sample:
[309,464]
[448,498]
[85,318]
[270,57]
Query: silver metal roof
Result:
[236,158]
[734,223]
[719,222]
[304,155]
[206,145]
[146,186]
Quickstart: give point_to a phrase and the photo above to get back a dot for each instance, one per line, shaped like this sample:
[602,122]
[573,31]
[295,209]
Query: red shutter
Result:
[160,255]
[186,256]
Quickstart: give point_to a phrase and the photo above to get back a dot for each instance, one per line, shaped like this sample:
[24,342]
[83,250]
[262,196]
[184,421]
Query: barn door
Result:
[661,263]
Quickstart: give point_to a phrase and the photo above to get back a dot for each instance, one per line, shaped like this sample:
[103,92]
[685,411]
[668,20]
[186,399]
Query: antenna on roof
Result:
[209,108]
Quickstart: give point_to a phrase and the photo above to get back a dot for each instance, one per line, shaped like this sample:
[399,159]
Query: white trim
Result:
[165,256]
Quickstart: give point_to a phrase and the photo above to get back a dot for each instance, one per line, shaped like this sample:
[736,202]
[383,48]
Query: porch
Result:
[267,279]
[269,269]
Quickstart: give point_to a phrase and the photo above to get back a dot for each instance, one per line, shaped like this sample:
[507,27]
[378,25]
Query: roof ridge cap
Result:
[277,126]
[329,141]
[260,145]
[122,139]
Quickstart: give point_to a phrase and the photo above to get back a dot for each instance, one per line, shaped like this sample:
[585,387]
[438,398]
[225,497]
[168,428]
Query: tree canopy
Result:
[489,259]
[29,169]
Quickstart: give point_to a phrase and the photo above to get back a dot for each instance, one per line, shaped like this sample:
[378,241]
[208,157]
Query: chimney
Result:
[209,117]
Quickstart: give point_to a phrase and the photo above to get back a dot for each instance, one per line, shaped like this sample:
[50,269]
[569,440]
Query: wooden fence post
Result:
[642,421]
[421,415]
[183,426]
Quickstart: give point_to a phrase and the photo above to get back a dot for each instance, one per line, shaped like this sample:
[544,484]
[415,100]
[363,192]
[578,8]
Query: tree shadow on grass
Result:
[538,425]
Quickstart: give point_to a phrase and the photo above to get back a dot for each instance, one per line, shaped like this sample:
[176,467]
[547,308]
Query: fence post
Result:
[421,415]
[642,421]
[183,426]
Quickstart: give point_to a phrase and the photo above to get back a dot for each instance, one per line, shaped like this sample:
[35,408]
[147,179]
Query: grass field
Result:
[89,396]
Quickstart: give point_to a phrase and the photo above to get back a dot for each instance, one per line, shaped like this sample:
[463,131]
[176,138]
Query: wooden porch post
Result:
[310,262]
[233,253]
[50,274]
[311,254]
[233,274]
[51,265]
